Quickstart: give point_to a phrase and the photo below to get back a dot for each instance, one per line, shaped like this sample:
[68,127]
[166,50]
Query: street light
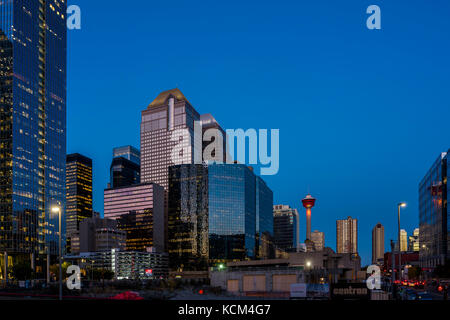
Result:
[399,206]
[57,209]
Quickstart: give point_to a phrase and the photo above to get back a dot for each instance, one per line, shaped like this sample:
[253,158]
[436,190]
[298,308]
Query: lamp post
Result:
[57,209]
[308,268]
[399,206]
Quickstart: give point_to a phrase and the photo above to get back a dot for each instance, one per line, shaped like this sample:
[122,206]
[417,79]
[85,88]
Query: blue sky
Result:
[362,113]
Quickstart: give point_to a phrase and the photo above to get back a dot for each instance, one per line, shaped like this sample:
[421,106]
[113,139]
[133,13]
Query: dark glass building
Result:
[225,201]
[284,225]
[129,153]
[264,220]
[124,173]
[78,191]
[434,215]
[33,127]
[188,217]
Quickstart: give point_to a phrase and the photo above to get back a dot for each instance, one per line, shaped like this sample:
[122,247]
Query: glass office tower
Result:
[284,227]
[124,173]
[33,126]
[232,213]
[264,220]
[79,191]
[188,217]
[129,153]
[434,214]
[218,213]
[125,169]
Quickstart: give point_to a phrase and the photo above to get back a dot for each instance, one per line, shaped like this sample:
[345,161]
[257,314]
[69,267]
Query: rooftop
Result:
[162,98]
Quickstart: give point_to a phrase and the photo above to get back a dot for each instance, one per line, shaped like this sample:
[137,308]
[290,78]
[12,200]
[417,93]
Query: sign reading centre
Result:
[350,291]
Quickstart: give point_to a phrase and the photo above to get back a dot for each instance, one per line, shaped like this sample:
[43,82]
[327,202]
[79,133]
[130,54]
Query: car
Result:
[420,284]
[423,296]
[410,295]
[405,292]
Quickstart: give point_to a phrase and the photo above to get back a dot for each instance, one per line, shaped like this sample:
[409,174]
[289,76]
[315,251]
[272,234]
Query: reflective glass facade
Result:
[188,217]
[232,213]
[264,220]
[284,225]
[434,215]
[124,173]
[129,153]
[219,213]
[33,123]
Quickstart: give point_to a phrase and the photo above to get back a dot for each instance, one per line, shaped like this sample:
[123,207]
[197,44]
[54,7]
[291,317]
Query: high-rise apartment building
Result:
[285,227]
[78,191]
[318,239]
[347,236]
[139,210]
[434,217]
[378,244]
[33,129]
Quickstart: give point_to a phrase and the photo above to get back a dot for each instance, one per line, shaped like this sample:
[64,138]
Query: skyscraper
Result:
[188,217]
[124,173]
[218,213]
[78,191]
[403,240]
[434,214]
[125,169]
[378,244]
[33,127]
[318,239]
[139,210]
[209,122]
[232,213]
[128,152]
[167,136]
[264,220]
[347,236]
[414,244]
[285,227]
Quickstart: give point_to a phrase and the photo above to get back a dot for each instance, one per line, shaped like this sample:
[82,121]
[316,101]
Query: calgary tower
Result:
[308,203]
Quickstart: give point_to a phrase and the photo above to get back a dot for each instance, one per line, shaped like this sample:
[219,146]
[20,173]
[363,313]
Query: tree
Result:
[22,271]
[54,269]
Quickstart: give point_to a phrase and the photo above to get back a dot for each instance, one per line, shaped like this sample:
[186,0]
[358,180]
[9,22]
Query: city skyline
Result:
[366,106]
